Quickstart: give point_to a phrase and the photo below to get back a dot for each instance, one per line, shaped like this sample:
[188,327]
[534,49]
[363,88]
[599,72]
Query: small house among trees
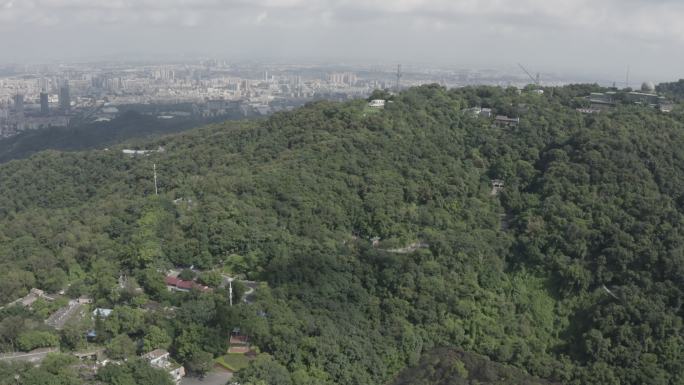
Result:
[177,284]
[505,121]
[160,358]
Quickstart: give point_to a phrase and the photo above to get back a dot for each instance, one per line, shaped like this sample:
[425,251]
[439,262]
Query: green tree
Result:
[211,278]
[156,338]
[133,372]
[121,347]
[72,336]
[30,340]
[188,343]
[187,275]
[201,363]
[125,319]
[264,370]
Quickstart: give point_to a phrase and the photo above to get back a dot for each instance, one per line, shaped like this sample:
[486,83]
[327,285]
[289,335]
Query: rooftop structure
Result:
[177,284]
[497,186]
[102,312]
[602,101]
[648,87]
[589,110]
[31,297]
[141,152]
[377,103]
[666,107]
[650,99]
[505,121]
[161,359]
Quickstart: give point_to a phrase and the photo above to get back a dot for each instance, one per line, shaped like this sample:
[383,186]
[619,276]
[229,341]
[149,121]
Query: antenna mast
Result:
[627,78]
[154,166]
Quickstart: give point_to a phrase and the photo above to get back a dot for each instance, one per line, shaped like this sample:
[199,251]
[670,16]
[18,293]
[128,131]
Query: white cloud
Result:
[261,17]
[647,19]
[437,29]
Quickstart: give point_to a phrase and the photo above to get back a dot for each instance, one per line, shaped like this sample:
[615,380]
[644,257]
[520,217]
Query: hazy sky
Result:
[599,37]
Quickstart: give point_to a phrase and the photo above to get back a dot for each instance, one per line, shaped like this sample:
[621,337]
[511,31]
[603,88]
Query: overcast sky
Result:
[597,37]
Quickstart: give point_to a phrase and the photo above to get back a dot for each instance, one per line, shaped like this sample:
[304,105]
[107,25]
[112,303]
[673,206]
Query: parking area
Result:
[217,376]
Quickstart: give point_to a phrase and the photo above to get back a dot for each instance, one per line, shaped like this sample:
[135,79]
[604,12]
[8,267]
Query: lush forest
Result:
[455,367]
[573,273]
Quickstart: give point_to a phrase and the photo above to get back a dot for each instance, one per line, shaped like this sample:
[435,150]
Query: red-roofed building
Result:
[177,284]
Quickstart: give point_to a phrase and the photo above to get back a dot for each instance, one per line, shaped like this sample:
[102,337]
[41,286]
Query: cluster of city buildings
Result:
[57,96]
[52,97]
[37,108]
[44,96]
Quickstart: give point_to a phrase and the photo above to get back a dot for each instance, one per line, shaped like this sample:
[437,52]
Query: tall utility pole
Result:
[230,292]
[156,192]
[399,75]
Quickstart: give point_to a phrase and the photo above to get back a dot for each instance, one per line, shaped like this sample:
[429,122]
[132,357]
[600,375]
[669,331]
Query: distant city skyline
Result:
[48,95]
[592,39]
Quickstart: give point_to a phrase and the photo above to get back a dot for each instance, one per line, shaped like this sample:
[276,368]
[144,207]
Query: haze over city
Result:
[598,40]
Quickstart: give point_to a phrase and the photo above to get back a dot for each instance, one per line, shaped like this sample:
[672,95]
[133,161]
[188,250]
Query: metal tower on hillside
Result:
[627,78]
[535,79]
[156,192]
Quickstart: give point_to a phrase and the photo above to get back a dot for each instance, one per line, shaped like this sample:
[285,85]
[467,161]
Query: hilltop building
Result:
[602,101]
[505,121]
[377,103]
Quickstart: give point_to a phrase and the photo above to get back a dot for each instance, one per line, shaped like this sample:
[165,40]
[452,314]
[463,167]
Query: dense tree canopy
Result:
[573,273]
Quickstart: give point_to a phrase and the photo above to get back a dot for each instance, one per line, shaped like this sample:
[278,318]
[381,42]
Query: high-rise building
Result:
[44,83]
[44,103]
[19,104]
[343,78]
[64,97]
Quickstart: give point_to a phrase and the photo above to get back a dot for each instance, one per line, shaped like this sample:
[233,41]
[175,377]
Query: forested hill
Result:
[454,367]
[573,273]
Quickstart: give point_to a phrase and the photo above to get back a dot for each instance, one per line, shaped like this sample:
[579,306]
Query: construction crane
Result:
[536,80]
